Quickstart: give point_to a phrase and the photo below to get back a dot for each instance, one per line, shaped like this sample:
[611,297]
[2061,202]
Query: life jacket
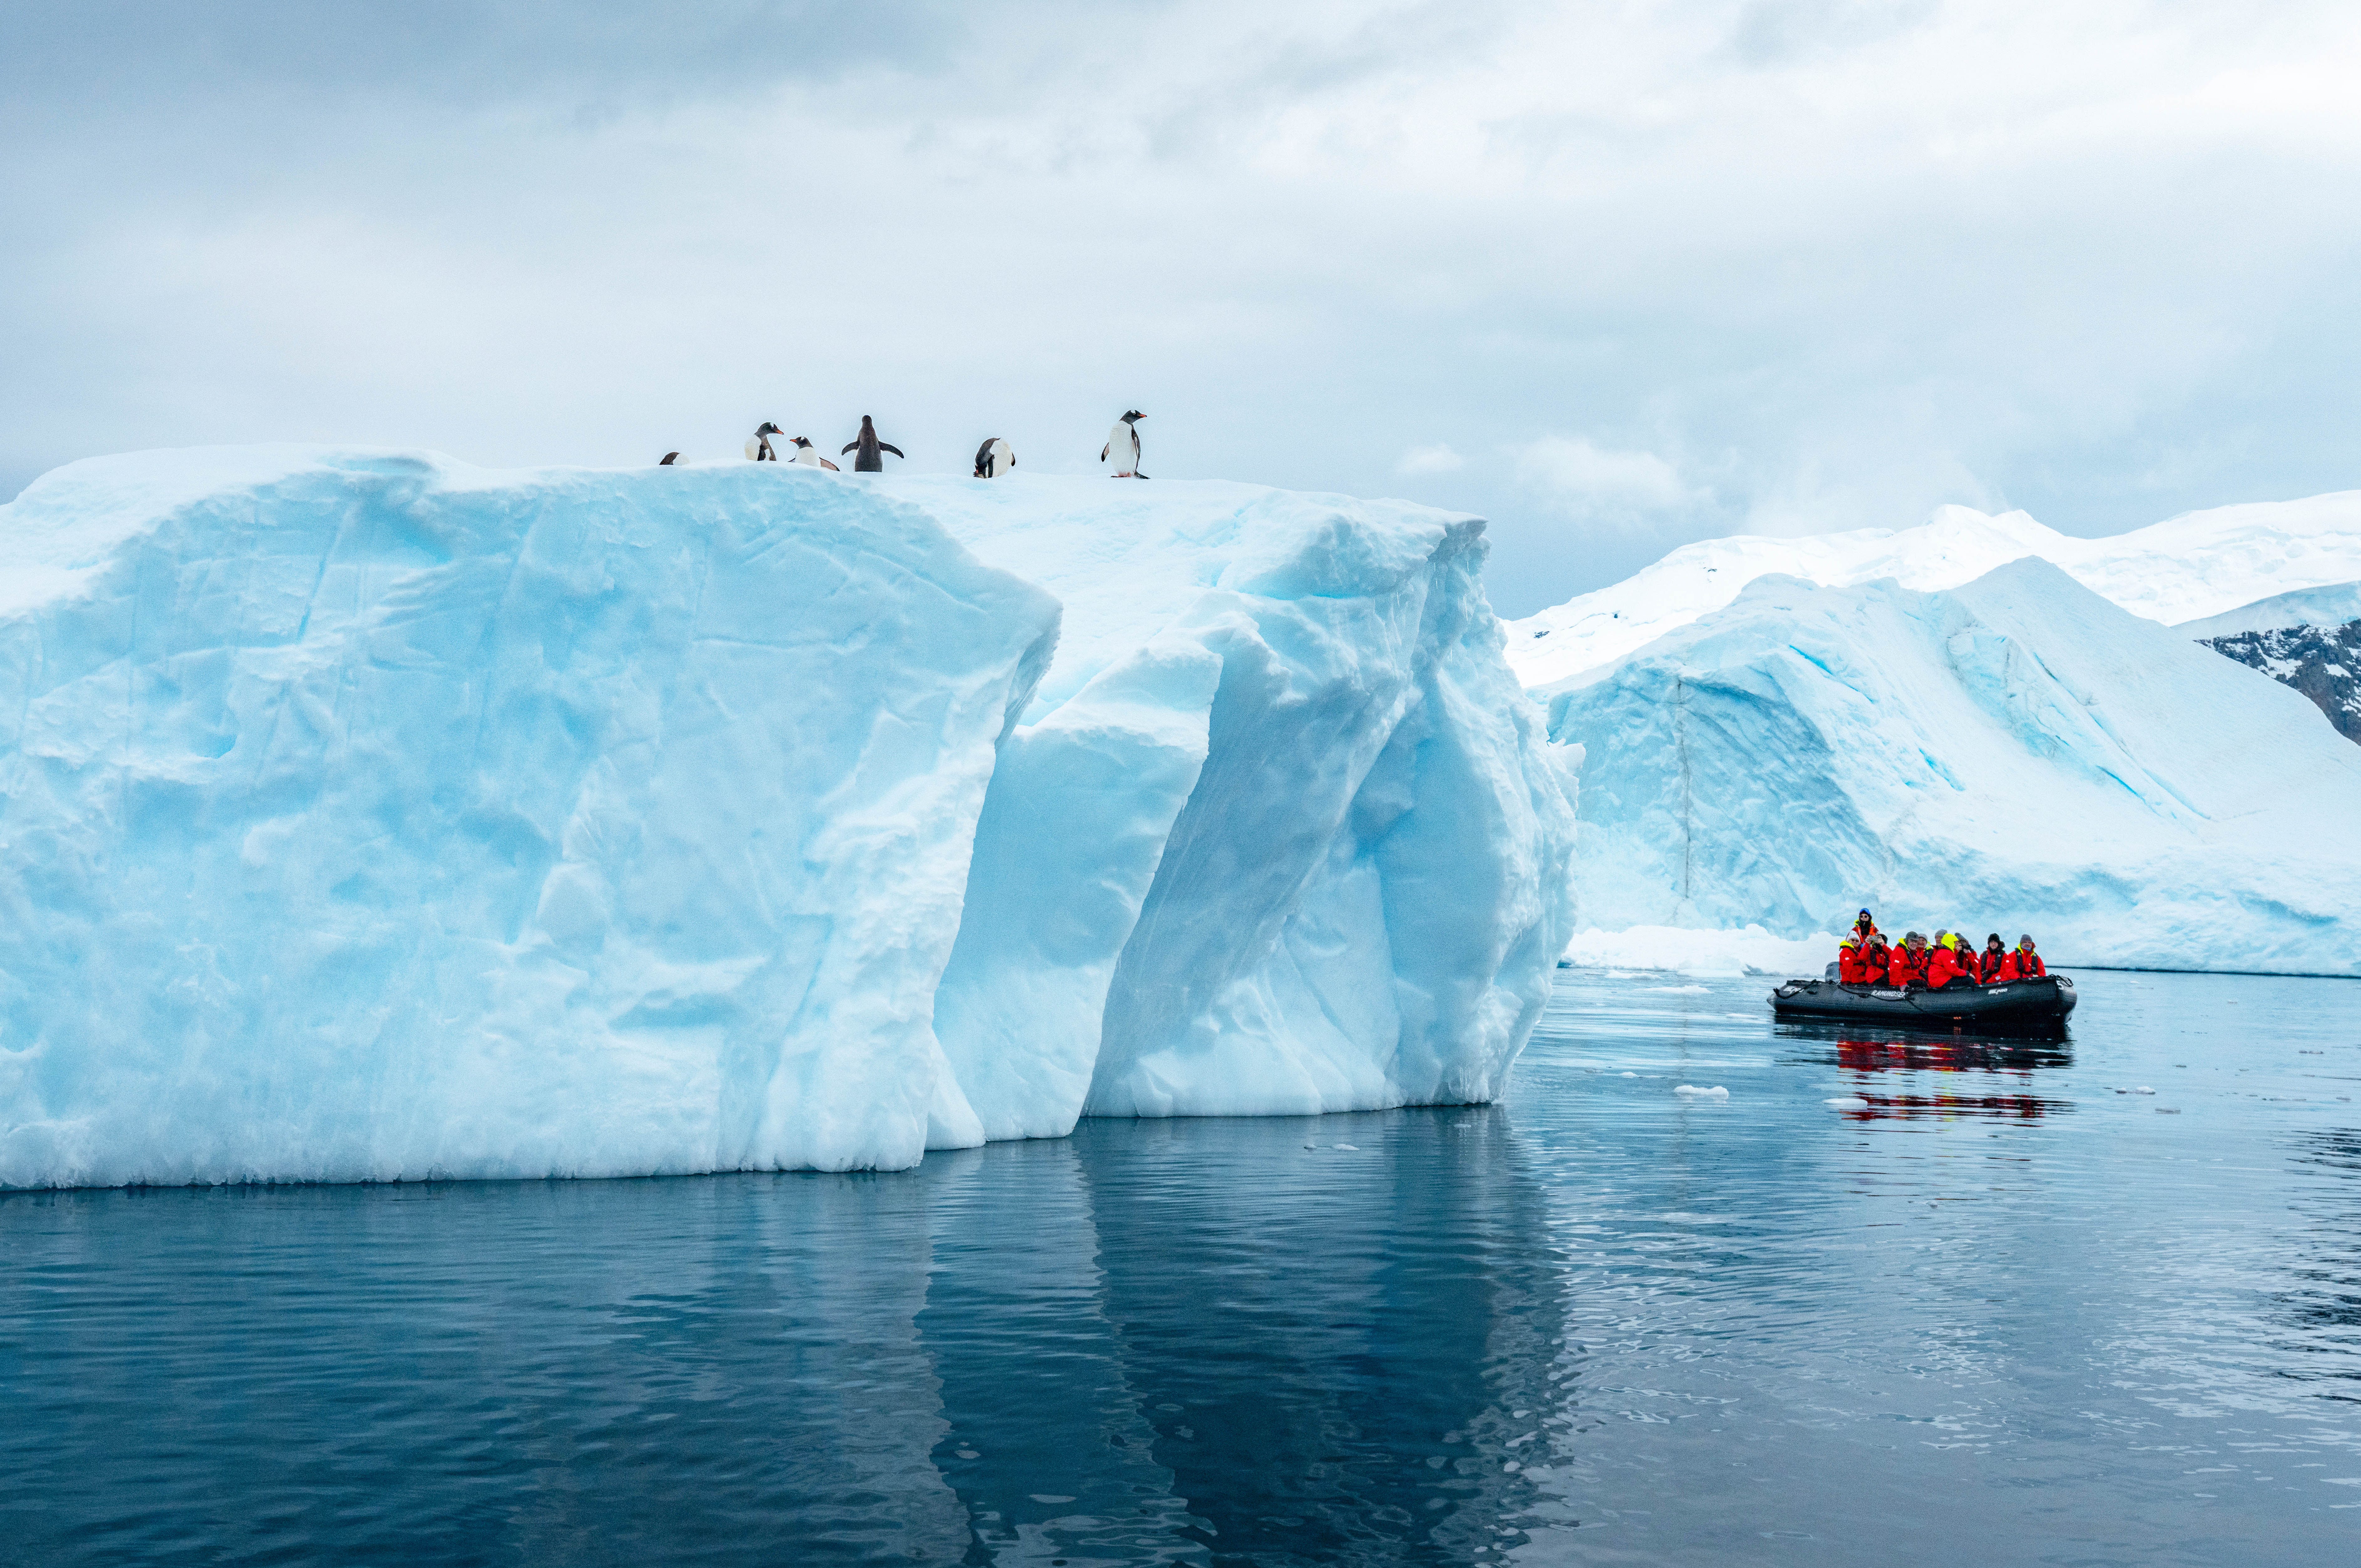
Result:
[1852,962]
[1904,968]
[2022,965]
[1943,966]
[1989,964]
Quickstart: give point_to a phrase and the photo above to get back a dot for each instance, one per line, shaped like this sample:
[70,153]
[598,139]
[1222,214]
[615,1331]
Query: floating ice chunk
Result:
[1848,1102]
[1691,1092]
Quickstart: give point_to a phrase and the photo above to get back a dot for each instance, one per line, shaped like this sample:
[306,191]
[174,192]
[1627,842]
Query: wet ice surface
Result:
[1999,1311]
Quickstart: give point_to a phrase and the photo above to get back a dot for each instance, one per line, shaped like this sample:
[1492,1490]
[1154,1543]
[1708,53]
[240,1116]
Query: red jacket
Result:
[1943,966]
[1853,966]
[1989,965]
[2022,965]
[1903,969]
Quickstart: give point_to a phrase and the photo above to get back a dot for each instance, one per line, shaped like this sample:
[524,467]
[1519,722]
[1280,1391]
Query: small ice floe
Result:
[1848,1102]
[2143,1089]
[1630,1075]
[1678,990]
[2166,1111]
[1691,1092]
[1355,1147]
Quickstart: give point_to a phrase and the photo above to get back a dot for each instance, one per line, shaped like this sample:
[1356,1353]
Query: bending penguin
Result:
[809,456]
[994,458]
[1123,445]
[758,445]
[868,462]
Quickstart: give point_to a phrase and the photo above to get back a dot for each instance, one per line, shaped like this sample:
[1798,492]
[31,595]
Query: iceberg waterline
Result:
[368,816]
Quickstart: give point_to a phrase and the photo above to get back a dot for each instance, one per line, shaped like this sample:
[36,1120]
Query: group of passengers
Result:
[1866,959]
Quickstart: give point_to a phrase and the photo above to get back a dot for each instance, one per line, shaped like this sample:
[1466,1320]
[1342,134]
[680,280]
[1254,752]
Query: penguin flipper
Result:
[889,446]
[830,466]
[847,447]
[1104,450]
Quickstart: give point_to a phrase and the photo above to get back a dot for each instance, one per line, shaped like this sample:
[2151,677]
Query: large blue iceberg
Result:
[367,816]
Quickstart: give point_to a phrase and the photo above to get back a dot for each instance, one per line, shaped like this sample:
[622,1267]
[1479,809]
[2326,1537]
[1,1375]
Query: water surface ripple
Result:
[1891,1300]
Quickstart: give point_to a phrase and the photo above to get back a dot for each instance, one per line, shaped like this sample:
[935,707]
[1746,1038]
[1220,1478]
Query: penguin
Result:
[994,458]
[669,459]
[1123,445]
[869,462]
[758,445]
[809,456]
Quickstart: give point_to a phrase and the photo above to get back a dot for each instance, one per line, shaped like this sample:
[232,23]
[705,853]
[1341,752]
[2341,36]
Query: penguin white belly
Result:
[1000,460]
[808,456]
[1123,449]
[754,449]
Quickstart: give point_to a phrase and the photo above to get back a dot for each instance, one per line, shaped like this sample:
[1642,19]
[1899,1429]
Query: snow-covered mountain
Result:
[364,814]
[2337,604]
[2014,754]
[2198,564]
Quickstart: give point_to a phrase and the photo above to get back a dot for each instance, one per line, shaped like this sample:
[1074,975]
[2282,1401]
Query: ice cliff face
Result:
[2016,755]
[368,816]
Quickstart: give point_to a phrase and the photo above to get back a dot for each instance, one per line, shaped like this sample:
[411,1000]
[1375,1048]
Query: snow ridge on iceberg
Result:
[366,816]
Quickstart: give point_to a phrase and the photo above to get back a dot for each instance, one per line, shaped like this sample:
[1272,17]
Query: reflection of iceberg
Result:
[1168,1342]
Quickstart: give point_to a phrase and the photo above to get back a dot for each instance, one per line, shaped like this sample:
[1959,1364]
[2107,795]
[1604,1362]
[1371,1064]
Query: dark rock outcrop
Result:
[2321,662]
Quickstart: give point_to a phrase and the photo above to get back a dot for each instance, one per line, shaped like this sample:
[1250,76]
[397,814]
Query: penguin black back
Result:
[669,459]
[869,446]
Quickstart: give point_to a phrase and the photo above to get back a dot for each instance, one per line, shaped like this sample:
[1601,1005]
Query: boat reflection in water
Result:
[1999,1075]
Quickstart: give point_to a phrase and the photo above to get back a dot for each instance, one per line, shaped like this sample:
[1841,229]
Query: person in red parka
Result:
[2023,963]
[1852,961]
[1989,962]
[1876,959]
[1943,965]
[1909,962]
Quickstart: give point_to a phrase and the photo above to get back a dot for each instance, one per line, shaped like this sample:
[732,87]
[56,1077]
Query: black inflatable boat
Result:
[2011,1007]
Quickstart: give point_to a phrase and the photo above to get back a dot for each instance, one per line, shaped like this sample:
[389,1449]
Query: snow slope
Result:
[368,816]
[2014,754]
[2200,563]
[2338,604]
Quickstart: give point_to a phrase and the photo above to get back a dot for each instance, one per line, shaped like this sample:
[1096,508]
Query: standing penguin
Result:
[869,462]
[994,458]
[758,445]
[1123,445]
[809,456]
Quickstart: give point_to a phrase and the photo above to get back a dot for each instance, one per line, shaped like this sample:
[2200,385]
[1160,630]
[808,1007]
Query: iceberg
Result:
[2199,565]
[2016,753]
[368,815]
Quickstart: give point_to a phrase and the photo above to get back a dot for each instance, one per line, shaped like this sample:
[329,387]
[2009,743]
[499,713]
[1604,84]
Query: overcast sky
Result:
[1615,276]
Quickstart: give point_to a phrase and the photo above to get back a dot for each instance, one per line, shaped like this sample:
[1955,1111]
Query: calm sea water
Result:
[1998,1311]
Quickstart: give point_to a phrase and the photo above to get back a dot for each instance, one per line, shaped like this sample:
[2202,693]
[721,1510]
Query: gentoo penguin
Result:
[809,456]
[669,459]
[994,458]
[758,445]
[869,462]
[1123,445]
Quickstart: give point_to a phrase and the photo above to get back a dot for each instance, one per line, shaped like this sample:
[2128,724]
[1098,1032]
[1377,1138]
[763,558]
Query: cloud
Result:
[1593,481]
[1438,458]
[1781,264]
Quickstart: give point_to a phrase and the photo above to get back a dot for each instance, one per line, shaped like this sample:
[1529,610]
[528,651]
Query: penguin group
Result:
[993,459]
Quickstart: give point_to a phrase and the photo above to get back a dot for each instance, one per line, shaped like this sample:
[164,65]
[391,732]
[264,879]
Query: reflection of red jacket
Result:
[1904,968]
[1943,966]
[2022,965]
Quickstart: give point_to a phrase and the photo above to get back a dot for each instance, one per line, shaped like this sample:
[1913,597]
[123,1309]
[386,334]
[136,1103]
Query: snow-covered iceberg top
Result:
[368,816]
[2198,564]
[2017,755]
